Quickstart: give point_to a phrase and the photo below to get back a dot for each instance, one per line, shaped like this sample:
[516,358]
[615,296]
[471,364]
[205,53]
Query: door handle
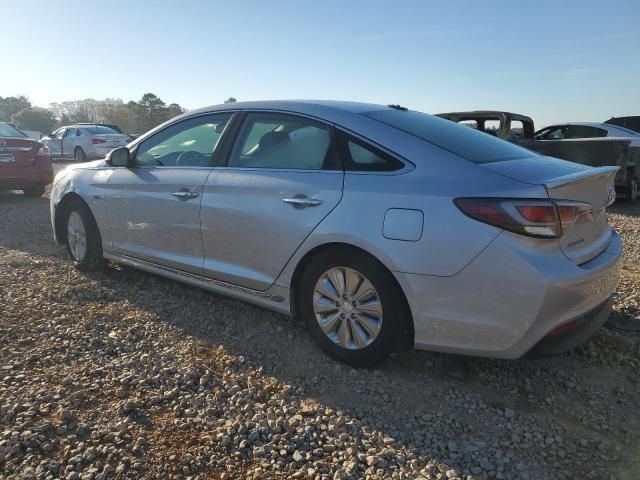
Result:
[185,195]
[302,201]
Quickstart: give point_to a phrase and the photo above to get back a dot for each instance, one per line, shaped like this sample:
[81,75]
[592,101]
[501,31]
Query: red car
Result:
[25,163]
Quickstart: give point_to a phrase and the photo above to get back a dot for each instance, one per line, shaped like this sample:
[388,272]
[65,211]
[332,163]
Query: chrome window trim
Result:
[257,169]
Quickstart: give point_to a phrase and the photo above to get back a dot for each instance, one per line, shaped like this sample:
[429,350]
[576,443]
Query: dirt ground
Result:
[124,374]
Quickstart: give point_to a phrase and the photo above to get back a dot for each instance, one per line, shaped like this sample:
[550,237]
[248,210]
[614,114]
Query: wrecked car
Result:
[595,152]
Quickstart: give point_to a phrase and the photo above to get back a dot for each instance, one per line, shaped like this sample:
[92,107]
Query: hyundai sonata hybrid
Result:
[375,225]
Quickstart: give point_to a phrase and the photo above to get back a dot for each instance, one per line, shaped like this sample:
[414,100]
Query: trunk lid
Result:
[589,234]
[113,140]
[18,152]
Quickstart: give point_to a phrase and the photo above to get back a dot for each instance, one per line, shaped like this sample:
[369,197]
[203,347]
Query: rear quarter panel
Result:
[449,239]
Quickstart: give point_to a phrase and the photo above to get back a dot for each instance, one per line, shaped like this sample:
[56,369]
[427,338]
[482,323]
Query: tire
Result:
[78,220]
[384,328]
[34,190]
[79,155]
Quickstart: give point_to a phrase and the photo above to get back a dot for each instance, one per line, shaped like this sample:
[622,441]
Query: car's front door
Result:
[154,206]
[69,141]
[55,143]
[279,180]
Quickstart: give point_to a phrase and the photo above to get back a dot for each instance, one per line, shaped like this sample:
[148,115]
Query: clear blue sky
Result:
[554,60]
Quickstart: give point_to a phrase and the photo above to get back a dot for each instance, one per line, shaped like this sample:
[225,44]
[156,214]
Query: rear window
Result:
[99,130]
[463,141]
[7,130]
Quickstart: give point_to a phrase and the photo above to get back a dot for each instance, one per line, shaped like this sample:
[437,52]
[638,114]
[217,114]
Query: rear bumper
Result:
[509,298]
[581,330]
[26,177]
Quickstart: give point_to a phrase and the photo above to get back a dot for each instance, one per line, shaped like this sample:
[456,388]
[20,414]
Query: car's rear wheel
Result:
[79,155]
[352,306]
[34,190]
[84,244]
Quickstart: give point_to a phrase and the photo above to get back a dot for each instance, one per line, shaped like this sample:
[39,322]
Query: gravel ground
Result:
[122,374]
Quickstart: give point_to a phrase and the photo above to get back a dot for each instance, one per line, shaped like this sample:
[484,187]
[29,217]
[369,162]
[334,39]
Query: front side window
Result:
[552,133]
[71,132]
[280,141]
[468,143]
[189,143]
[59,133]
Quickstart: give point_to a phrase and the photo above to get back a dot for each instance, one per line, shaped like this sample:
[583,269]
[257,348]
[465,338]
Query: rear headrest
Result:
[271,138]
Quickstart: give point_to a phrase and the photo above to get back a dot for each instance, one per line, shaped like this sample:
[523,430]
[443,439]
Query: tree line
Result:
[131,117]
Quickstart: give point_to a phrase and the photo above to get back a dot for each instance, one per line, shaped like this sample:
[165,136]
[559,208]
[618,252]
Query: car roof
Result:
[590,124]
[296,106]
[85,125]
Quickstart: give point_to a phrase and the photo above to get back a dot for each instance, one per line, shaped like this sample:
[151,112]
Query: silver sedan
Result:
[375,225]
[84,142]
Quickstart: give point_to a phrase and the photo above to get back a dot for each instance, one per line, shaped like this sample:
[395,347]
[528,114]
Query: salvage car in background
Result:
[631,123]
[24,162]
[575,130]
[83,142]
[581,143]
[372,224]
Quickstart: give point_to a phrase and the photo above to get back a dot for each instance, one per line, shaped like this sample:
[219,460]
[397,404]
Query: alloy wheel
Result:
[348,308]
[76,236]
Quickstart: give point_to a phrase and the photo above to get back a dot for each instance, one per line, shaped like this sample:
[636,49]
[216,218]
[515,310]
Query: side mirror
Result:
[120,157]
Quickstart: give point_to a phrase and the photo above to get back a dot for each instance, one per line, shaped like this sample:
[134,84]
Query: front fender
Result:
[89,185]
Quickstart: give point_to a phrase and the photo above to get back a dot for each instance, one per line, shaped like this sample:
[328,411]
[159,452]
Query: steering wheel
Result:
[191,158]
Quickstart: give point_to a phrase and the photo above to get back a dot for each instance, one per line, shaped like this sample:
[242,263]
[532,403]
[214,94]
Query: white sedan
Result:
[84,142]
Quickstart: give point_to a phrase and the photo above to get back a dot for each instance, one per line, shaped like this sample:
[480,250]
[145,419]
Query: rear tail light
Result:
[43,152]
[98,141]
[534,218]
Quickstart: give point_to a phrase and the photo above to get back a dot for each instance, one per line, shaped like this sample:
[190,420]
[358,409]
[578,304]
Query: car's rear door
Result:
[154,207]
[281,177]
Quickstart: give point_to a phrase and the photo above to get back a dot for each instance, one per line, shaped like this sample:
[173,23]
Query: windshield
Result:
[459,139]
[7,130]
[100,130]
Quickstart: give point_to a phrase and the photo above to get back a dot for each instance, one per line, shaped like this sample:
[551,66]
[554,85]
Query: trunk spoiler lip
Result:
[581,176]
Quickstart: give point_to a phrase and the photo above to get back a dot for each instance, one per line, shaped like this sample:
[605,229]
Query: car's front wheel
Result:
[84,244]
[352,306]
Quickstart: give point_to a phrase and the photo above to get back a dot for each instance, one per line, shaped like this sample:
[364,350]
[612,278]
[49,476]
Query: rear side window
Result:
[460,140]
[277,141]
[516,129]
[359,155]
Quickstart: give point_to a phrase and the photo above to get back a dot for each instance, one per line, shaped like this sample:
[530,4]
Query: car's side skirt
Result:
[276,298]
